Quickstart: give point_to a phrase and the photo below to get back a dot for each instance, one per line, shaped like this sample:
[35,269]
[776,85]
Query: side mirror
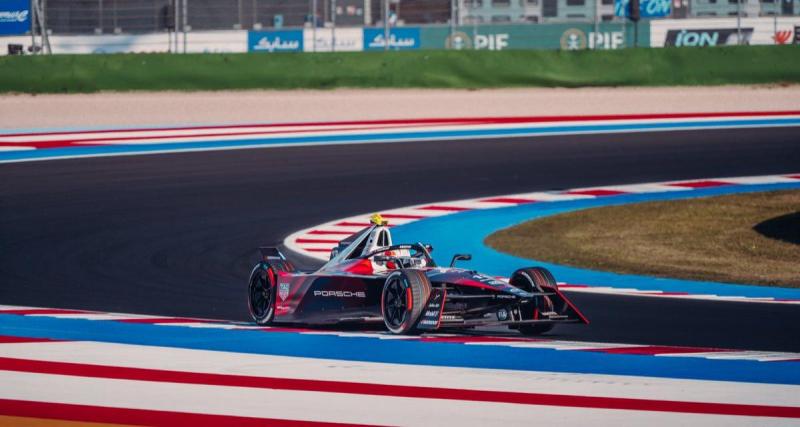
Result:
[462,257]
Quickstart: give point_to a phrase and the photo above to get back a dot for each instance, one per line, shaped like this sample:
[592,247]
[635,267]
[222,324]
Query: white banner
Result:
[216,42]
[347,40]
[196,42]
[722,31]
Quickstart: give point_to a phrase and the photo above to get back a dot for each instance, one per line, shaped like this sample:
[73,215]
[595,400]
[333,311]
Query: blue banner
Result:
[15,17]
[275,41]
[647,8]
[404,38]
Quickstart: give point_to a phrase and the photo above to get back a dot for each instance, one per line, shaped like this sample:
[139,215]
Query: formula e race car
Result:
[370,279]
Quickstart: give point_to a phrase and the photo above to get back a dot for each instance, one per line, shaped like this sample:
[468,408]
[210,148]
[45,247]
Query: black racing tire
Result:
[261,294]
[398,316]
[537,279]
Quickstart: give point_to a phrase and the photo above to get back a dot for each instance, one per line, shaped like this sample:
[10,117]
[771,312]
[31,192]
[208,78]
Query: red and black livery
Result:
[369,279]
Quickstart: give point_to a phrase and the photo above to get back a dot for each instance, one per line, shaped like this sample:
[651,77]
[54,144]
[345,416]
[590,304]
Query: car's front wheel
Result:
[403,299]
[537,279]
[261,294]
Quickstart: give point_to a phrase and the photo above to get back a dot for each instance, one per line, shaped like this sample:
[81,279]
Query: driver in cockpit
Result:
[380,238]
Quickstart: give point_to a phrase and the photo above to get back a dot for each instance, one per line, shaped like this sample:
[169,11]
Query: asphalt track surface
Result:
[175,234]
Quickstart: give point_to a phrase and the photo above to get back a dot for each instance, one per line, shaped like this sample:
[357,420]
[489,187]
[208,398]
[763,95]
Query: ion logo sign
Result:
[647,8]
[708,37]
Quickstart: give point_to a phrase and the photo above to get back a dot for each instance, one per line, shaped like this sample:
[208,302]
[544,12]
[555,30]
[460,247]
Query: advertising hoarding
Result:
[402,38]
[722,32]
[196,42]
[323,39]
[647,8]
[575,36]
[15,17]
[275,41]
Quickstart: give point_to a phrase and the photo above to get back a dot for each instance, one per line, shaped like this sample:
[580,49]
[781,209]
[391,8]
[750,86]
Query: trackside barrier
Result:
[563,36]
[723,31]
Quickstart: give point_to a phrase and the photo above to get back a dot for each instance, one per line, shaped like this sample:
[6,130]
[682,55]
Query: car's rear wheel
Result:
[536,279]
[403,299]
[261,294]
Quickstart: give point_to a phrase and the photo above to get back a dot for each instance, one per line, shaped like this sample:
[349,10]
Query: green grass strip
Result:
[411,69]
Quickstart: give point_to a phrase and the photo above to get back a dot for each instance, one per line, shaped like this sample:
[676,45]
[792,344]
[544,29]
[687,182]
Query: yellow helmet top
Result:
[377,219]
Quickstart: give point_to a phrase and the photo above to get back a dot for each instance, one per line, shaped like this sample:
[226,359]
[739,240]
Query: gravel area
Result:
[751,238]
[235,107]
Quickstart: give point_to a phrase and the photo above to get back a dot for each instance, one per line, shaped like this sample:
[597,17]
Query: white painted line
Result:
[219,362]
[640,188]
[330,407]
[97,316]
[16,148]
[555,345]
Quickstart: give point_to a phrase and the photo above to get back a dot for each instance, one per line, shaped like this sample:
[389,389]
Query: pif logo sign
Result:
[460,40]
[14,17]
[575,39]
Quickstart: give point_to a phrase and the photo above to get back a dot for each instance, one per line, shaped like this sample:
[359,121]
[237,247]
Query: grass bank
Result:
[746,238]
[415,69]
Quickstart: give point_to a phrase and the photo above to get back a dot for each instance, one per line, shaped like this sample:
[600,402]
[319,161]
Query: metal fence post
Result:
[333,24]
[739,22]
[474,24]
[314,22]
[775,26]
[114,21]
[99,28]
[175,10]
[596,23]
[241,16]
[34,18]
[385,24]
[185,13]
[453,21]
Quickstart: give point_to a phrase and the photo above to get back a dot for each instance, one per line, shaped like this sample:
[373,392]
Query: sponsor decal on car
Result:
[283,291]
[340,294]
[491,281]
[431,317]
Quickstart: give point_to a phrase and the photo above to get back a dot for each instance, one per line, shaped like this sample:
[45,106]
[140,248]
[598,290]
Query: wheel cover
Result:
[260,295]
[395,307]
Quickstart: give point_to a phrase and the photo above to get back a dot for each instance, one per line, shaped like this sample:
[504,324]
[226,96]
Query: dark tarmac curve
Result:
[175,234]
